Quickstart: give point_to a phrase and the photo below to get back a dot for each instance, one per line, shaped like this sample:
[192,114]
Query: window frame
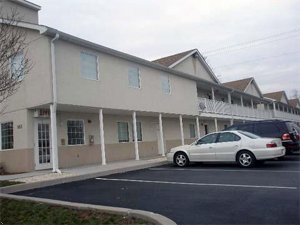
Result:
[83,128]
[235,135]
[128,133]
[97,65]
[7,149]
[139,77]
[11,63]
[217,136]
[193,129]
[162,76]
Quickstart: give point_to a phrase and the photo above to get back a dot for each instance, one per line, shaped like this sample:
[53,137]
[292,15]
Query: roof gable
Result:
[179,62]
[279,96]
[294,102]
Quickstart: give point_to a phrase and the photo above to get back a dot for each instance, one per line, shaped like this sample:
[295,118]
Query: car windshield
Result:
[249,135]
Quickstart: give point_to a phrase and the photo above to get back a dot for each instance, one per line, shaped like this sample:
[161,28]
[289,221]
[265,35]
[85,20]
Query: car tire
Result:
[245,159]
[181,159]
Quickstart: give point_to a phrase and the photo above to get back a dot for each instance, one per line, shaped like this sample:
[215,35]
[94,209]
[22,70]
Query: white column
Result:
[54,138]
[136,146]
[242,102]
[252,105]
[229,97]
[231,122]
[181,129]
[101,126]
[274,109]
[216,124]
[213,98]
[198,127]
[161,135]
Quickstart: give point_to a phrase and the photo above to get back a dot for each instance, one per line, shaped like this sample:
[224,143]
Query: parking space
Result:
[201,193]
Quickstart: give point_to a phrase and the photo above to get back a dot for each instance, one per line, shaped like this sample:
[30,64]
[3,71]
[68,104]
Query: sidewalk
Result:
[45,178]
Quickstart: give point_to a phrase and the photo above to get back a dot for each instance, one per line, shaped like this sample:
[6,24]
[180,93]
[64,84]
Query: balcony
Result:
[233,110]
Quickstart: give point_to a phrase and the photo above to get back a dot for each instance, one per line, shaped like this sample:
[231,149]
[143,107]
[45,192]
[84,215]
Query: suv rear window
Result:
[267,130]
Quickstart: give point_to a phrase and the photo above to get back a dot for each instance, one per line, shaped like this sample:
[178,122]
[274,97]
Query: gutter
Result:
[53,108]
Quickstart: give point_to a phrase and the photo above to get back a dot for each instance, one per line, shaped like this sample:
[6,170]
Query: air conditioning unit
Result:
[45,113]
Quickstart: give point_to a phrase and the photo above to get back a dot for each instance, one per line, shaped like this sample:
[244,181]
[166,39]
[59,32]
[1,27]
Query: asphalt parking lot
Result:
[199,194]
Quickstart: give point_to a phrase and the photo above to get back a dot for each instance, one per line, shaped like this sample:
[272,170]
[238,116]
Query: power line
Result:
[255,60]
[251,43]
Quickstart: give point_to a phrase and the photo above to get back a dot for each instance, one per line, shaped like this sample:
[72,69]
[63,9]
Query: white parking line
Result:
[197,184]
[226,170]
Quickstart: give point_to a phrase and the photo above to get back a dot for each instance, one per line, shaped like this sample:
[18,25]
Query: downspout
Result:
[53,108]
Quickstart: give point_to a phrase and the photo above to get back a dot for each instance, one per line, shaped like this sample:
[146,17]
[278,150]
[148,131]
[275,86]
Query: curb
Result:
[40,184]
[145,215]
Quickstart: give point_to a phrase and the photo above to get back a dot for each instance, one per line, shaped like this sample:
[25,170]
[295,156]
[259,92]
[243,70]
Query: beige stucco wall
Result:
[26,14]
[36,88]
[112,90]
[17,161]
[192,66]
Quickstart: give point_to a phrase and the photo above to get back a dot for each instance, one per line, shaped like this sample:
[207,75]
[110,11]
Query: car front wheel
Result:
[181,159]
[246,159]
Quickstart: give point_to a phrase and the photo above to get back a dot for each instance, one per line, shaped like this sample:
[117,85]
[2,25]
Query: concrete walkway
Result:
[44,178]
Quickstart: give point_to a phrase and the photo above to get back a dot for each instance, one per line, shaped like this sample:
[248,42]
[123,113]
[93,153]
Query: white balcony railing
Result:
[287,116]
[218,107]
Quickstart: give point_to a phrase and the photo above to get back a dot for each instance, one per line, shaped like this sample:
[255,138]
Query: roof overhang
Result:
[27,4]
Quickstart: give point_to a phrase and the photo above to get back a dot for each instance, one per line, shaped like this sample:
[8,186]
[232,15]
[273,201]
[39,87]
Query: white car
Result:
[241,147]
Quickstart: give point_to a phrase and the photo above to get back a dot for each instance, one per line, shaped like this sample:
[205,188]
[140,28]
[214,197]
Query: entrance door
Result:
[42,144]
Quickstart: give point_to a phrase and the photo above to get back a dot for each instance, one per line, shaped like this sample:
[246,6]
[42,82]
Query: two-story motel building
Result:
[83,103]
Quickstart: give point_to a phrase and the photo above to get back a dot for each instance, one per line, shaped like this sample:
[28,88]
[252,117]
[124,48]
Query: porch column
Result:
[181,130]
[242,101]
[274,109]
[213,98]
[136,146]
[216,124]
[252,105]
[101,126]
[161,135]
[229,97]
[198,127]
[54,138]
[231,122]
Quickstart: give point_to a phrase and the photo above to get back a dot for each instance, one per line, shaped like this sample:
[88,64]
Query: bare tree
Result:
[295,94]
[14,63]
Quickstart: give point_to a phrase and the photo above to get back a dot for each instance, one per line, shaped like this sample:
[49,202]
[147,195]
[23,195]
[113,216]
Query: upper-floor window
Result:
[123,134]
[17,66]
[7,135]
[134,77]
[165,84]
[88,66]
[75,132]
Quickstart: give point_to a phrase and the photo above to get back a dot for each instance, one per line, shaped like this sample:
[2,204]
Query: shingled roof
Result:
[239,85]
[275,95]
[169,60]
[294,102]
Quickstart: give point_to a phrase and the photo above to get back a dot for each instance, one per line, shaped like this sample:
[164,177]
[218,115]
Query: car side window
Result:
[211,138]
[267,130]
[228,137]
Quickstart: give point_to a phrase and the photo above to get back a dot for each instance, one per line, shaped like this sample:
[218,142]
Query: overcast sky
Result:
[268,32]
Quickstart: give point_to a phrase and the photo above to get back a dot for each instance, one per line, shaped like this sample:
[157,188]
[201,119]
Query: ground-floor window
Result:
[75,132]
[7,135]
[192,130]
[206,129]
[138,131]
[123,134]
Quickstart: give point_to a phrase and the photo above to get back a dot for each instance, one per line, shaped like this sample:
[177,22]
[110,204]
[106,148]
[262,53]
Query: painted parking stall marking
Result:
[198,184]
[225,170]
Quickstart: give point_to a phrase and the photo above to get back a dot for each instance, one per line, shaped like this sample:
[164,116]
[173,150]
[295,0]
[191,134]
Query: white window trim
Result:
[84,142]
[97,66]
[10,121]
[140,79]
[169,82]
[132,138]
[128,131]
[194,130]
